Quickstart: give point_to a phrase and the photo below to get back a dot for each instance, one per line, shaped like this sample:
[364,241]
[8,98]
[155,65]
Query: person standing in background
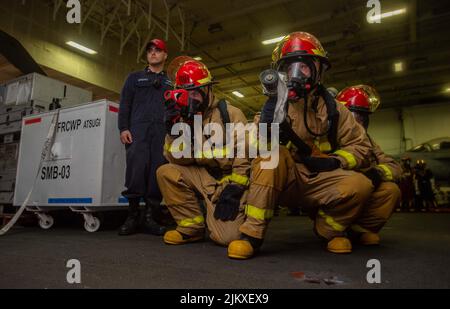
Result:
[142,132]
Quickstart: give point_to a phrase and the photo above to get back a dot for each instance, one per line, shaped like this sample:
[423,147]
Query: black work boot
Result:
[150,226]
[162,216]
[132,222]
[255,242]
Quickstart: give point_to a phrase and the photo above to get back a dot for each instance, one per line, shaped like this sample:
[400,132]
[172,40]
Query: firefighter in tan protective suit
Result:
[209,175]
[322,145]
[384,171]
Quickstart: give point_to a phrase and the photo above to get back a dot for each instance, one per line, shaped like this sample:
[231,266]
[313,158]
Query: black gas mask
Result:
[199,99]
[302,76]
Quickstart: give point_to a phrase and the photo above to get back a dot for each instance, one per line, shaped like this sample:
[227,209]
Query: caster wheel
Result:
[46,222]
[92,226]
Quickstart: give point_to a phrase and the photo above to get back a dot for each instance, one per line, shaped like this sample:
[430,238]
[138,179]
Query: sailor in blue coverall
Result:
[142,130]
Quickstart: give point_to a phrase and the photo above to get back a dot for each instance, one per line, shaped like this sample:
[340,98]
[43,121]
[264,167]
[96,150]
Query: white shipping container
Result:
[86,169]
[11,117]
[38,89]
[15,114]
[10,127]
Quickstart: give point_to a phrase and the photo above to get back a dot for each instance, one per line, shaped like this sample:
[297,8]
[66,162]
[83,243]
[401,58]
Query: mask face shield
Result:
[298,70]
[198,100]
[301,76]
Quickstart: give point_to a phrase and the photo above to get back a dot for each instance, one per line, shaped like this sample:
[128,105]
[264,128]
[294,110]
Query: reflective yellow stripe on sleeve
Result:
[239,179]
[236,178]
[191,221]
[258,213]
[350,158]
[216,153]
[387,171]
[325,147]
[171,149]
[330,221]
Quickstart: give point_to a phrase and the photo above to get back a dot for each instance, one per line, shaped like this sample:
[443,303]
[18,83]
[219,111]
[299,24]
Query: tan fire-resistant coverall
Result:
[336,196]
[186,181]
[383,201]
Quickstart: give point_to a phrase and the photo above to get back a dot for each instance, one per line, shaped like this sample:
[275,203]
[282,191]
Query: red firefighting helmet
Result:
[189,73]
[360,98]
[299,44]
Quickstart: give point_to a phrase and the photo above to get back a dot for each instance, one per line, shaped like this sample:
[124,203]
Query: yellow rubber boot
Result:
[339,245]
[240,249]
[369,239]
[176,238]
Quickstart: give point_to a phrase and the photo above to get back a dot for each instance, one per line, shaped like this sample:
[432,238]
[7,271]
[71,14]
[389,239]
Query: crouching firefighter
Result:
[384,171]
[321,145]
[205,180]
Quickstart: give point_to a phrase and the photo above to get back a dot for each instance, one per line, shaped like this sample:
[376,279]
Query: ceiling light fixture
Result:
[386,15]
[272,41]
[238,94]
[81,47]
[398,67]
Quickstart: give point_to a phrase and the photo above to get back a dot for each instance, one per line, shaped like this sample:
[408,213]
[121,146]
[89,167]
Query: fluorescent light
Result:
[398,66]
[447,90]
[81,47]
[198,58]
[238,94]
[272,41]
[387,14]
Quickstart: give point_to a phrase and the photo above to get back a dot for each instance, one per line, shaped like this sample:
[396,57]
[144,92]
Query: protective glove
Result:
[375,175]
[227,207]
[320,164]
[171,115]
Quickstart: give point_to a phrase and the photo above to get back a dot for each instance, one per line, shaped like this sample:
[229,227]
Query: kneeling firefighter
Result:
[321,145]
[384,171]
[215,180]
